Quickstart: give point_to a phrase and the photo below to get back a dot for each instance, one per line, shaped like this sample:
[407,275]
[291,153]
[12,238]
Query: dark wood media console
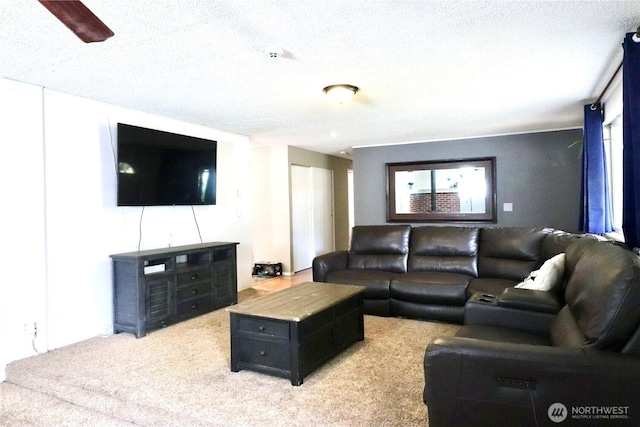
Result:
[159,287]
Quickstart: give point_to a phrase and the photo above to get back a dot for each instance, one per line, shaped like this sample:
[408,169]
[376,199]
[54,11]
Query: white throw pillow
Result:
[548,277]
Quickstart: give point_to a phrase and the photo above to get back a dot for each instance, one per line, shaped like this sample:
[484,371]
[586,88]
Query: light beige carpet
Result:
[180,376]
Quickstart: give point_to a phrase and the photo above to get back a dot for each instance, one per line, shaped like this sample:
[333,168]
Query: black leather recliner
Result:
[584,371]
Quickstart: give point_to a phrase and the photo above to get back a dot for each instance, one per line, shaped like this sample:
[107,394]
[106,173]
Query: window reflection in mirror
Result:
[460,190]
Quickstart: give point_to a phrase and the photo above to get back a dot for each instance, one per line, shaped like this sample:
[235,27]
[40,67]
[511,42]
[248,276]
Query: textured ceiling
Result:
[427,70]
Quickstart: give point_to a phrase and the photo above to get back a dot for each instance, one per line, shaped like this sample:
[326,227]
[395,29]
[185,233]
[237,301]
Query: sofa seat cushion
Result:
[376,282]
[489,286]
[431,288]
[498,334]
[438,312]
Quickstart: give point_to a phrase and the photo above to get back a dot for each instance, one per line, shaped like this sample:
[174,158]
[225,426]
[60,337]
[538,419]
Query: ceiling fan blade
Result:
[79,19]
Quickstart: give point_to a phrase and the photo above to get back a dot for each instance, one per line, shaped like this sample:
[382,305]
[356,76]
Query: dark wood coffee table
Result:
[290,333]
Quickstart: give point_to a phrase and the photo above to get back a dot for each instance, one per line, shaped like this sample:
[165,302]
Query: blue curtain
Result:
[631,142]
[595,216]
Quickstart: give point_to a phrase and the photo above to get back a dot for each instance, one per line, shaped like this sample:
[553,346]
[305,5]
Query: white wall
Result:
[22,252]
[271,206]
[63,268]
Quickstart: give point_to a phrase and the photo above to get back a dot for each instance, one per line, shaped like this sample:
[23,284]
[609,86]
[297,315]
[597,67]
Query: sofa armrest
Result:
[323,264]
[485,310]
[530,300]
[474,382]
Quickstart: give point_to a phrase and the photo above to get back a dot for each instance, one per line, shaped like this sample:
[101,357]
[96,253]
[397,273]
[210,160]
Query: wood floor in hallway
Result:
[263,287]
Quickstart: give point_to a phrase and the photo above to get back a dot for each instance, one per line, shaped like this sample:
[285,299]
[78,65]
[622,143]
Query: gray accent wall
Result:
[539,173]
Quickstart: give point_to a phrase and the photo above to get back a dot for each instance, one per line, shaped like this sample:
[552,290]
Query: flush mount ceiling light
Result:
[340,93]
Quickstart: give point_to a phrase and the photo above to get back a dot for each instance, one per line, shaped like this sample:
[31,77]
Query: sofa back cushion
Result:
[603,294]
[510,252]
[379,247]
[558,241]
[574,252]
[444,249]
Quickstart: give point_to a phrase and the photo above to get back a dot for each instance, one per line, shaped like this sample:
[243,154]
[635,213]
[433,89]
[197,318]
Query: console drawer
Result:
[194,290]
[193,276]
[194,306]
[260,326]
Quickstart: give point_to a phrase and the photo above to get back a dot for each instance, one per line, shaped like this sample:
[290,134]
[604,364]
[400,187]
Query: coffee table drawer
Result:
[264,353]
[261,326]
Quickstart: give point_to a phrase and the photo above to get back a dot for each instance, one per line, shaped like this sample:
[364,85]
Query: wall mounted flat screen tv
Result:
[157,168]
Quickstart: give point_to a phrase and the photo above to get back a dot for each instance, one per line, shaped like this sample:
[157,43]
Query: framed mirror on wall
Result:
[442,191]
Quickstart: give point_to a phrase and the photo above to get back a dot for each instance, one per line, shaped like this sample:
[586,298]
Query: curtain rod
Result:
[636,38]
[593,106]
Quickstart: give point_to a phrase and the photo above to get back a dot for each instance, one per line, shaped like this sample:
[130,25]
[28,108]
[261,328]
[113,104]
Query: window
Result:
[613,148]
[612,133]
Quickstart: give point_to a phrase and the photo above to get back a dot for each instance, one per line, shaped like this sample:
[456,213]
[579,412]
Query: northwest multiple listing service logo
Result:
[558,413]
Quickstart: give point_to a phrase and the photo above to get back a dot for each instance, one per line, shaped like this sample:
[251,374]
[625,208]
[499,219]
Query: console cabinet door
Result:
[224,282]
[159,301]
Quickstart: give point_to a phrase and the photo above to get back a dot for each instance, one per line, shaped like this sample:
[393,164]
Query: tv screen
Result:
[157,168]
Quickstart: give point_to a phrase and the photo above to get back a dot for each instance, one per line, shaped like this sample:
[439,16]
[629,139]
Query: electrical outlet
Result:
[29,328]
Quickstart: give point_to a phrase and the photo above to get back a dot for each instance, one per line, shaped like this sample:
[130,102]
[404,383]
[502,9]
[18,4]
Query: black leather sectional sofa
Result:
[580,369]
[523,357]
[429,272]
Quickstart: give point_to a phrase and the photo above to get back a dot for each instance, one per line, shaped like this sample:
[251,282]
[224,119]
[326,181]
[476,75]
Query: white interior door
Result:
[312,214]
[351,210]
[322,199]
[302,217]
